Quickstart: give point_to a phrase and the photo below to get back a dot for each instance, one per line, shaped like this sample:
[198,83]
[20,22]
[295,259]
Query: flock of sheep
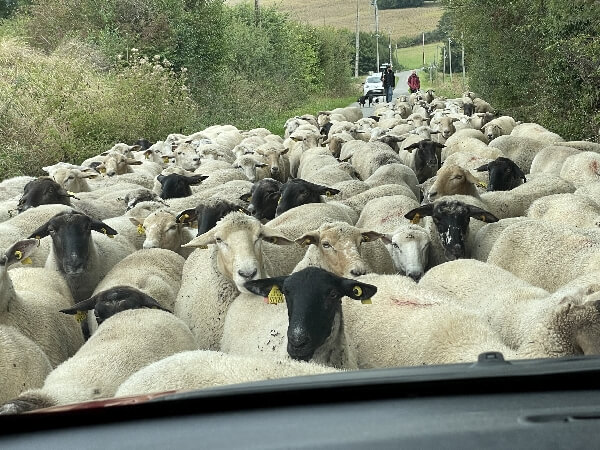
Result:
[428,233]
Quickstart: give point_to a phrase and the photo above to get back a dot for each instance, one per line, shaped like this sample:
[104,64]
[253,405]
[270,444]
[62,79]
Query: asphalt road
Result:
[401,89]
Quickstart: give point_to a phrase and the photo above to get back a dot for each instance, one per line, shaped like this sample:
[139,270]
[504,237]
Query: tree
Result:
[396,4]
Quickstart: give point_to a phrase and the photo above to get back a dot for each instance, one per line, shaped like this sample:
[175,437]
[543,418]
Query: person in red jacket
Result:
[414,84]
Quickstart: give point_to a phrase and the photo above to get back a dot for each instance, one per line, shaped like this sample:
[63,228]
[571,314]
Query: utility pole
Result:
[374,3]
[357,42]
[390,47]
[450,60]
[462,38]
[423,49]
[444,72]
[256,13]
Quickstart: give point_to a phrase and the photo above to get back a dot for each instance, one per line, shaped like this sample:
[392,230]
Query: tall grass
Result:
[412,57]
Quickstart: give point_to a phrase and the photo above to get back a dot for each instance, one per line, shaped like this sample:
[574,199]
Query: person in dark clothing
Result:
[414,84]
[389,82]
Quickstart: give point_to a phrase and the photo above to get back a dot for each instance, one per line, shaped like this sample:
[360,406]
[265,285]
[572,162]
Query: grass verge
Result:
[412,57]
[445,88]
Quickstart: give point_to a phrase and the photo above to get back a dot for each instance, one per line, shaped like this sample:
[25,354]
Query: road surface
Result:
[401,89]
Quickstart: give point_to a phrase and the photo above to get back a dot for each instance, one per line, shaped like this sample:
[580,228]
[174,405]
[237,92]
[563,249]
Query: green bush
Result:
[539,61]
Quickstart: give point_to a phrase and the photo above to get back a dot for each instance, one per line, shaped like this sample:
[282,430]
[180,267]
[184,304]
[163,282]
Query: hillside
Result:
[342,14]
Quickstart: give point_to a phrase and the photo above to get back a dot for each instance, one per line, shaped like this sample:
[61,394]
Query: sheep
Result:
[394,174]
[521,150]
[81,259]
[74,180]
[591,191]
[337,141]
[537,132]
[42,191]
[471,145]
[515,202]
[30,302]
[350,188]
[487,235]
[208,212]
[114,163]
[581,169]
[526,317]
[313,160]
[450,230]
[178,186]
[294,122]
[275,155]
[407,244]
[23,364]
[263,197]
[373,156]
[201,369]
[349,113]
[420,327]
[424,159]
[301,140]
[452,179]
[445,127]
[585,146]
[121,346]
[504,174]
[500,126]
[311,328]
[345,250]
[186,156]
[571,209]
[253,168]
[332,174]
[348,149]
[156,272]
[551,158]
[481,106]
[545,254]
[13,186]
[161,229]
[212,279]
[357,202]
[298,192]
[478,120]
[459,135]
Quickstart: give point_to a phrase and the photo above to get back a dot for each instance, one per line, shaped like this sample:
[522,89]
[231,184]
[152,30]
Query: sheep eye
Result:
[172,227]
[326,245]
[458,177]
[332,294]
[218,240]
[70,177]
[396,245]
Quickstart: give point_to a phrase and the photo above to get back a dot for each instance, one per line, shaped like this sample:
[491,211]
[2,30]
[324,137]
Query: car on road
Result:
[373,84]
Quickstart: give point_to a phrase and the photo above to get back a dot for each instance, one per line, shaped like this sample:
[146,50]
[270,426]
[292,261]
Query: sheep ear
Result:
[82,306]
[482,214]
[387,238]
[284,151]
[101,227]
[368,236]
[265,286]
[357,290]
[308,239]
[472,179]
[270,235]
[260,164]
[422,211]
[133,162]
[412,147]
[136,222]
[246,197]
[483,168]
[196,179]
[203,240]
[40,232]
[519,172]
[160,178]
[85,174]
[19,252]
[439,145]
[187,216]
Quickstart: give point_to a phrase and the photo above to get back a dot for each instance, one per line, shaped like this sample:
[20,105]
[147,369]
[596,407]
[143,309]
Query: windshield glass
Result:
[203,193]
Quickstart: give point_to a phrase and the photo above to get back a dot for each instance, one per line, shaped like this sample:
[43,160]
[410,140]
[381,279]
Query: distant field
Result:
[412,57]
[342,14]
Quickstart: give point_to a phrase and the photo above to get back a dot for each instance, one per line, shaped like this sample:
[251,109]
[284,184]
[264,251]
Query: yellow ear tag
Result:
[71,193]
[18,254]
[415,220]
[241,210]
[305,242]
[275,296]
[38,237]
[366,301]
[141,229]
[165,159]
[366,239]
[328,194]
[106,233]
[147,155]
[81,316]
[103,170]
[482,184]
[27,261]
[482,218]
[203,247]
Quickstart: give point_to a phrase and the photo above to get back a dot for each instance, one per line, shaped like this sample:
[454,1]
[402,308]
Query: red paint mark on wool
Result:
[386,218]
[413,303]
[594,167]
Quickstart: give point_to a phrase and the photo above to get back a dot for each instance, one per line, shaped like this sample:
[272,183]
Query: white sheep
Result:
[23,364]
[123,344]
[521,150]
[581,169]
[571,209]
[213,278]
[545,254]
[160,229]
[200,369]
[30,301]
[357,202]
[528,318]
[551,158]
[394,174]
[373,156]
[465,133]
[537,132]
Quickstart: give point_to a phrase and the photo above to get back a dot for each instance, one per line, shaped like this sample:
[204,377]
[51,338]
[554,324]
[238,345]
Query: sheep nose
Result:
[358,271]
[274,169]
[248,274]
[110,173]
[416,276]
